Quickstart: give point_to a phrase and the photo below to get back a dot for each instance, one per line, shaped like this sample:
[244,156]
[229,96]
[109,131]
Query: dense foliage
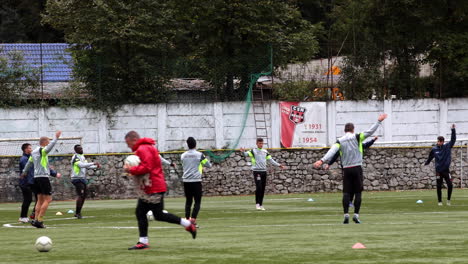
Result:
[127,51]
[18,81]
[387,42]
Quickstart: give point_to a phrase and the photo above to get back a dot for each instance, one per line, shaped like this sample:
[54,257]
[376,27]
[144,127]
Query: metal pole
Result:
[42,73]
[466,144]
[461,165]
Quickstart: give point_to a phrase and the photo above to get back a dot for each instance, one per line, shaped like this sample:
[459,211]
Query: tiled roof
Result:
[55,59]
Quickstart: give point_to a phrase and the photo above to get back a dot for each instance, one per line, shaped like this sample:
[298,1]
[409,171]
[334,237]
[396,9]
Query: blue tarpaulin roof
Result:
[56,60]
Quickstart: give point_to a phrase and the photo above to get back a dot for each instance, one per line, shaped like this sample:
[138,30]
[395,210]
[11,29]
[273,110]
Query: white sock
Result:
[185,222]
[144,240]
[346,215]
[356,215]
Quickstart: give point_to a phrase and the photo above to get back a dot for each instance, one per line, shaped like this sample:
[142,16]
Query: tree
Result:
[20,21]
[122,50]
[448,52]
[386,42]
[231,39]
[18,81]
[127,51]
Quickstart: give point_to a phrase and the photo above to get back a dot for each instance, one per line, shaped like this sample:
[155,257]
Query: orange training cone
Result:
[358,246]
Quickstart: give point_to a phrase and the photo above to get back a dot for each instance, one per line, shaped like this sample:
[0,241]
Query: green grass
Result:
[395,230]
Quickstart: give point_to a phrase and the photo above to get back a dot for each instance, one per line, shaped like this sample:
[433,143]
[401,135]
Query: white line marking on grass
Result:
[12,226]
[251,201]
[285,199]
[335,223]
[131,227]
[22,225]
[68,218]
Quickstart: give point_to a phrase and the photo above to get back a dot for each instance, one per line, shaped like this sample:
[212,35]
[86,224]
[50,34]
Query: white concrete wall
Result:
[216,125]
[362,113]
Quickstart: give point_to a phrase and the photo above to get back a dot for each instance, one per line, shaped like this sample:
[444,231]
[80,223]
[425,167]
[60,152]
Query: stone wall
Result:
[384,169]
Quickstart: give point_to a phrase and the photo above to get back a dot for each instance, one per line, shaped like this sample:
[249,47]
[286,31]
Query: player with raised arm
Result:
[259,158]
[79,165]
[27,184]
[351,148]
[40,160]
[193,162]
[365,145]
[151,196]
[443,157]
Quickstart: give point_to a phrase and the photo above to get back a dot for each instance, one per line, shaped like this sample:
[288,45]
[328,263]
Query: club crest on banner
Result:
[297,114]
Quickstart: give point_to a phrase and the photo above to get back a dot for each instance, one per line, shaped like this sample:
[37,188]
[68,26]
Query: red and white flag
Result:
[303,124]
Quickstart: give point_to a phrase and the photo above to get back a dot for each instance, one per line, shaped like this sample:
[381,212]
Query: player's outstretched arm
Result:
[374,127]
[333,160]
[272,161]
[330,154]
[453,137]
[87,165]
[382,117]
[318,164]
[244,152]
[164,161]
[429,159]
[76,161]
[51,145]
[369,143]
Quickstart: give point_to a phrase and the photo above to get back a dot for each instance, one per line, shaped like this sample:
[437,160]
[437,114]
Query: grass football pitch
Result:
[394,229]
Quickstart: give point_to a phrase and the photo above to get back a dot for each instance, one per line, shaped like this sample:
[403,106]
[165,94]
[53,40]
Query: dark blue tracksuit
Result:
[443,158]
[26,185]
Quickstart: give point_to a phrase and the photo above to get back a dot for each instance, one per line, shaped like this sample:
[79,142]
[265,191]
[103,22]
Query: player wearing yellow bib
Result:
[193,162]
[78,177]
[39,158]
[351,150]
[259,157]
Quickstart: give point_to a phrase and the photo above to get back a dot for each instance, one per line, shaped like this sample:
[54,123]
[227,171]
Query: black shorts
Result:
[42,186]
[443,175]
[193,189]
[353,180]
[80,186]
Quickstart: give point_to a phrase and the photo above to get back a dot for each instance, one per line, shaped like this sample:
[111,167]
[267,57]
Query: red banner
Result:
[303,124]
[287,125]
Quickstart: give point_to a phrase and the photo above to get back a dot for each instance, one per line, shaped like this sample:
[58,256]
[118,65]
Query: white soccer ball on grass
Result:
[132,160]
[43,244]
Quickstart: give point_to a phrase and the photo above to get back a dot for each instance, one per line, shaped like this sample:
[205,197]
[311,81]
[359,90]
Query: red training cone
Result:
[358,246]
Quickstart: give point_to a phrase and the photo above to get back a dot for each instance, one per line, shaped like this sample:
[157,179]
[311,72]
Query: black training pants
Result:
[157,208]
[193,192]
[260,184]
[441,176]
[27,199]
[81,193]
[352,184]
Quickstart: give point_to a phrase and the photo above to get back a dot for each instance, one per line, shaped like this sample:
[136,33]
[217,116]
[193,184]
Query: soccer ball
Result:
[150,216]
[132,160]
[43,244]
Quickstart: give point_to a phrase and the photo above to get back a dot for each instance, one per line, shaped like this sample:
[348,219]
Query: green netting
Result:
[248,102]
